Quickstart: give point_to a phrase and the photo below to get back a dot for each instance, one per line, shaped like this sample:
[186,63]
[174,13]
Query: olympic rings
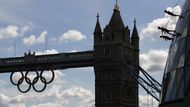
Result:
[32,83]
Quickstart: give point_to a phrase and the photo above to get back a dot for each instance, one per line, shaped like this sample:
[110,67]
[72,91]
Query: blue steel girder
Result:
[32,62]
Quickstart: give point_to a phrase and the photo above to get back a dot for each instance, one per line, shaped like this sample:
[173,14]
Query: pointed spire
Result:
[135,32]
[116,7]
[116,20]
[98,29]
[135,21]
[98,16]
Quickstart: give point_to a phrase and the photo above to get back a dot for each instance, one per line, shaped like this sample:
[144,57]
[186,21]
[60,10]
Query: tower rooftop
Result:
[116,21]
[135,32]
[98,29]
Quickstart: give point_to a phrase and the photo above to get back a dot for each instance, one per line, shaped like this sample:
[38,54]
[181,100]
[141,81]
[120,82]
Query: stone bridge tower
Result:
[114,87]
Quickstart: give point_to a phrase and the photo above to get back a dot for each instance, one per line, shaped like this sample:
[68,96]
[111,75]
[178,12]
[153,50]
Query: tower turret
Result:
[135,37]
[135,44]
[97,32]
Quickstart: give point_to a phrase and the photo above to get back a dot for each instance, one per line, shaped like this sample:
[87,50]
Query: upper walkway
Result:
[46,62]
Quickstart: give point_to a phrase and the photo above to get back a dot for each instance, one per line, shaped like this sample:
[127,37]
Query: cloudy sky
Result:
[67,26]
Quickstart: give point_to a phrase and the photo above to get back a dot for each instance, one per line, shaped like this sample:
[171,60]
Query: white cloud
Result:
[32,40]
[73,51]
[42,37]
[60,98]
[154,60]
[17,105]
[90,102]
[146,101]
[26,28]
[151,29]
[72,36]
[77,91]
[6,101]
[9,32]
[52,51]
[13,31]
[51,105]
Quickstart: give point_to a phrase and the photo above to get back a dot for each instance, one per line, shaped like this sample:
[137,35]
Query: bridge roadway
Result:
[31,62]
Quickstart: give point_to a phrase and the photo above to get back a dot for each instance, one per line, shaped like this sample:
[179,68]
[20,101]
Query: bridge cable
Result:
[15,48]
[154,86]
[46,45]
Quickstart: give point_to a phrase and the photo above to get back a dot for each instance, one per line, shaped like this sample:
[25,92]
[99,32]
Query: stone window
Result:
[106,51]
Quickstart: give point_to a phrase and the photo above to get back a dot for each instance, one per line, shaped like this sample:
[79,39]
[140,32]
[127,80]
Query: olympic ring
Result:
[28,89]
[53,76]
[33,82]
[45,84]
[11,78]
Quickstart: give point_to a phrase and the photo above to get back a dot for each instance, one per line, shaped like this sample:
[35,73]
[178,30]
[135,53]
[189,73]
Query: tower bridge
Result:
[115,59]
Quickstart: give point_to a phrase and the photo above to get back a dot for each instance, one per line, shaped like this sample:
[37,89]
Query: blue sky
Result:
[68,26]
